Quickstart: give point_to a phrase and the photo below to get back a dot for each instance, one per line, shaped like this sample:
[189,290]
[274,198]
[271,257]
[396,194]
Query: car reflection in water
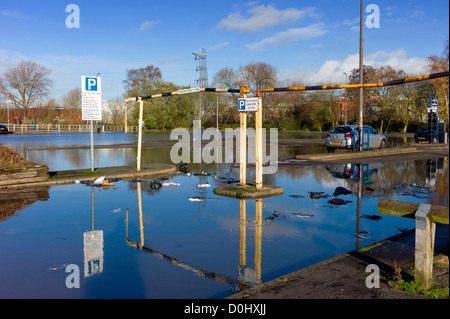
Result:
[351,171]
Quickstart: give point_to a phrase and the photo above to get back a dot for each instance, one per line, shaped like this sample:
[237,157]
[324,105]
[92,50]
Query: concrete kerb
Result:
[71,176]
[370,153]
[248,192]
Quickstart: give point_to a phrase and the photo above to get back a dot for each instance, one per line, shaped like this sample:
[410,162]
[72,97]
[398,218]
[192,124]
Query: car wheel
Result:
[383,144]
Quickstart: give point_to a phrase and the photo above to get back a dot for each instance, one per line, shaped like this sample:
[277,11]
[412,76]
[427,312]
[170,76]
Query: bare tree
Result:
[116,111]
[258,75]
[142,81]
[72,100]
[226,78]
[25,83]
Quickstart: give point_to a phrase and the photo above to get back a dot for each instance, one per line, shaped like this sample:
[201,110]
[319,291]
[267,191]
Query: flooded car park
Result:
[134,241]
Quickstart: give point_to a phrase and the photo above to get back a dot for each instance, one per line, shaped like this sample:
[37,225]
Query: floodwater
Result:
[35,147]
[132,241]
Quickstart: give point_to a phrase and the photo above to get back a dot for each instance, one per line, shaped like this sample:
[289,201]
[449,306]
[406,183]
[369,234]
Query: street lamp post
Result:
[361,79]
[346,100]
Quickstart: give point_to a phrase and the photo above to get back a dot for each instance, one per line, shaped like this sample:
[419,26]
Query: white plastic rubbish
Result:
[99,181]
[170,183]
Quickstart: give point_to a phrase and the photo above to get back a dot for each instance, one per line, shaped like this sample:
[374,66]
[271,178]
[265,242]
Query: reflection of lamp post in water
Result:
[93,245]
[179,263]
[358,209]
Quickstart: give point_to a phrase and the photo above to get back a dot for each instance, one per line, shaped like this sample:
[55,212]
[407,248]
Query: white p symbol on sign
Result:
[241,105]
[91,84]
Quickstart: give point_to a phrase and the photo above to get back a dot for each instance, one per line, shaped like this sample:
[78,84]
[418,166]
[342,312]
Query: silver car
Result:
[347,137]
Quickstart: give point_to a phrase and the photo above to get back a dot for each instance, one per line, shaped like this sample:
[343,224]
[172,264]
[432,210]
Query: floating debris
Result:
[367,182]
[402,229]
[372,217]
[297,196]
[163,178]
[170,184]
[226,180]
[303,215]
[203,185]
[116,210]
[338,201]
[370,189]
[155,184]
[276,214]
[58,267]
[269,218]
[99,181]
[183,168]
[317,195]
[341,191]
[195,199]
[202,174]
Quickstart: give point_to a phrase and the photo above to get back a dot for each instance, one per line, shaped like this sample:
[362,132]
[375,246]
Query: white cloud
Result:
[218,46]
[147,24]
[262,16]
[15,15]
[288,36]
[332,71]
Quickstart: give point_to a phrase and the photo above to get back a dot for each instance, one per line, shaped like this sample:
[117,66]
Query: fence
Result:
[64,128]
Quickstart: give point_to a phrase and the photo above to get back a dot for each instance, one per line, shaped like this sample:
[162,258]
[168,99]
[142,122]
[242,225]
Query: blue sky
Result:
[309,41]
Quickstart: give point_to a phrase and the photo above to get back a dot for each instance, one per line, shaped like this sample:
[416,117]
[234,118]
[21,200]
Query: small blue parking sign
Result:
[91,84]
[248,104]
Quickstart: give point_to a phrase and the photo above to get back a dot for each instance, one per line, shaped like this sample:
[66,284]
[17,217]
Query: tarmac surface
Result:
[344,276]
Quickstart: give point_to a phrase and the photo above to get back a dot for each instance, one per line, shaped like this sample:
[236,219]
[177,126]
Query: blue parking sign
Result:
[248,104]
[91,84]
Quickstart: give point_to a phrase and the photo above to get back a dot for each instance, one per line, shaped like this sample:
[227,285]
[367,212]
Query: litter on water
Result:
[341,191]
[372,217]
[317,195]
[183,168]
[338,201]
[155,184]
[297,196]
[99,181]
[303,215]
[170,183]
[402,229]
[58,267]
[115,210]
[195,199]
[203,185]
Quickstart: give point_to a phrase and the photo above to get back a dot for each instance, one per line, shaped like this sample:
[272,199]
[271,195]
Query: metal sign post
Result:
[433,117]
[251,105]
[91,105]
